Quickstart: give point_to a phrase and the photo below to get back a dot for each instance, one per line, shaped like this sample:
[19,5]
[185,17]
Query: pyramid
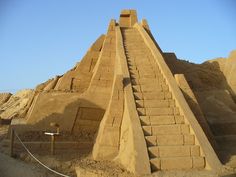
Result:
[123,95]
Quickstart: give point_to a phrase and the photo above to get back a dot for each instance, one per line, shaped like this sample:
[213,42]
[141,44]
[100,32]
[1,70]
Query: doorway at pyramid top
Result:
[128,18]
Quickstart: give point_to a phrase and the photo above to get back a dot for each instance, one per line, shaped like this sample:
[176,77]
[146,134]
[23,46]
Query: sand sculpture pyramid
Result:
[124,94]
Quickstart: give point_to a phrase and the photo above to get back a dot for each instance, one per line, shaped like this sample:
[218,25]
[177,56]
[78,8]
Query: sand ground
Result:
[24,165]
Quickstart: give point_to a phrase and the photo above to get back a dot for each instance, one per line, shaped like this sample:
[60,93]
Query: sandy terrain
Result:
[24,165]
[15,105]
[10,167]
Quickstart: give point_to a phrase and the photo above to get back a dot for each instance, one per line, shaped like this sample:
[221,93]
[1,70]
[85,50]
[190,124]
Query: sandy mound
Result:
[4,97]
[16,104]
[217,105]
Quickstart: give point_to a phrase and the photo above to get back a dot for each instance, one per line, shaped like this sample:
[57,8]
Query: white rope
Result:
[37,159]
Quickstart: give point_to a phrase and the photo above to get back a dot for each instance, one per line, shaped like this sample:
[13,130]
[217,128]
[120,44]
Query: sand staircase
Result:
[169,142]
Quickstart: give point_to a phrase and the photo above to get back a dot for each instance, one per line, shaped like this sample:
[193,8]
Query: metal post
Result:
[12,142]
[52,144]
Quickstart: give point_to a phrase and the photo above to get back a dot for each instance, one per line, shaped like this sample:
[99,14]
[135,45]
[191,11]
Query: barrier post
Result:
[12,142]
[52,144]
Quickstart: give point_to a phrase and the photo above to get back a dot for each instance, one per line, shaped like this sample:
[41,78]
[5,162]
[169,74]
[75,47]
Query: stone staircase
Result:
[170,144]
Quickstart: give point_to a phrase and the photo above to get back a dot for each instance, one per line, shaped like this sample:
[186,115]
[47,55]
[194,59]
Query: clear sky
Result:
[43,38]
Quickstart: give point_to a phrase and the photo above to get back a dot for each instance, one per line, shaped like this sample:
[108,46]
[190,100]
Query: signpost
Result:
[53,134]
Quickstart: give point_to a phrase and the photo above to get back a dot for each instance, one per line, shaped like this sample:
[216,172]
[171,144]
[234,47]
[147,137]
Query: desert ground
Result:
[67,163]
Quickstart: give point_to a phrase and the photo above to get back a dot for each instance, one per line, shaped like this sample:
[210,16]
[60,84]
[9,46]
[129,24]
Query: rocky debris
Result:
[4,97]
[210,83]
[16,104]
[41,86]
[87,167]
[217,73]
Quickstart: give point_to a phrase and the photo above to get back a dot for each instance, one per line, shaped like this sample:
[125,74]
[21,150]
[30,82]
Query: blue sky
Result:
[43,38]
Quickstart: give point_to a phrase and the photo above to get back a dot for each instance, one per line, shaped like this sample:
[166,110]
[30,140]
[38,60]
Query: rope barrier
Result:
[37,159]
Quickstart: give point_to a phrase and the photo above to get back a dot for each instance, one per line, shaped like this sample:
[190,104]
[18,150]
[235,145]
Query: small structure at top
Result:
[128,18]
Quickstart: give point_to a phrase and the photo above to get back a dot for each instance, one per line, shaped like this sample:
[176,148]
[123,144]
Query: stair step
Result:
[145,63]
[152,95]
[142,72]
[158,111]
[142,61]
[131,68]
[170,140]
[161,120]
[150,87]
[147,81]
[175,129]
[174,151]
[137,75]
[134,72]
[135,47]
[130,32]
[136,52]
[133,41]
[149,95]
[153,76]
[177,163]
[154,103]
[133,55]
